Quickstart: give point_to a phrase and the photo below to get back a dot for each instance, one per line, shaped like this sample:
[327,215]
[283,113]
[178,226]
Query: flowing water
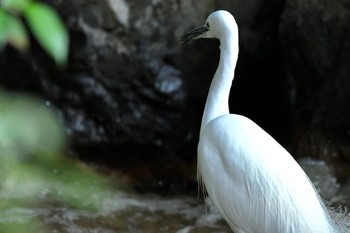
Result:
[122,212]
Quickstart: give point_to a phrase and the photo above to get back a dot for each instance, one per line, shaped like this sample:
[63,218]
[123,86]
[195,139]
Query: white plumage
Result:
[252,180]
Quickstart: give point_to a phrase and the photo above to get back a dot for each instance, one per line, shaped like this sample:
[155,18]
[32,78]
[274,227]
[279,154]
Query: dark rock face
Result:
[122,85]
[122,97]
[138,90]
[315,40]
[131,95]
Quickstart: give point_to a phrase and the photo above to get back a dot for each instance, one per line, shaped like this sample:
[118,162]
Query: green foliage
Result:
[48,30]
[27,127]
[15,5]
[12,31]
[44,23]
[32,169]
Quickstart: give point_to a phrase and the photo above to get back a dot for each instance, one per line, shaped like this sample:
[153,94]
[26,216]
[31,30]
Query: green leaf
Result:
[15,5]
[12,31]
[28,126]
[49,30]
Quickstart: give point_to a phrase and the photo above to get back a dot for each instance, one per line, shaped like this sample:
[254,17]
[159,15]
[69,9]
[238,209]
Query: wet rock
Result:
[322,176]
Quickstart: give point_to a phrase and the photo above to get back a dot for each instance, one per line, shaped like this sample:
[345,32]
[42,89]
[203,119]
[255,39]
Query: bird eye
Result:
[207,24]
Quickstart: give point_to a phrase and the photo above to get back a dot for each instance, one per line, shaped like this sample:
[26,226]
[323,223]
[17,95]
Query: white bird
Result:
[252,180]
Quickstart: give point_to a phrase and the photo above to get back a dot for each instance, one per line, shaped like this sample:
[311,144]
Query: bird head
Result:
[218,25]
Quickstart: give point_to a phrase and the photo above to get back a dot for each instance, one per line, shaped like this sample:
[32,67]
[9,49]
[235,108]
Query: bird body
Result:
[252,180]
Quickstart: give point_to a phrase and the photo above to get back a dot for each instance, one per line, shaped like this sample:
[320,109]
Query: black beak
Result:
[193,34]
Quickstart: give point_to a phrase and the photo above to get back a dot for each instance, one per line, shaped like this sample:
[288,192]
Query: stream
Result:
[122,212]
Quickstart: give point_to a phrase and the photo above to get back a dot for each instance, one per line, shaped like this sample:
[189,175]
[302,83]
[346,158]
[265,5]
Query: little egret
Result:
[252,180]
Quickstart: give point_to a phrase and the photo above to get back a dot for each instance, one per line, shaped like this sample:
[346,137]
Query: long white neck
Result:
[219,91]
